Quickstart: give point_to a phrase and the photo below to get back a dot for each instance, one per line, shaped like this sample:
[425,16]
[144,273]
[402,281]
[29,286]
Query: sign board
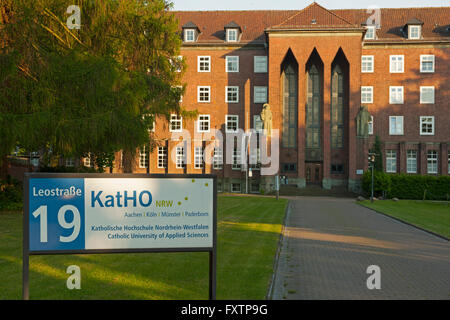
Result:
[114,213]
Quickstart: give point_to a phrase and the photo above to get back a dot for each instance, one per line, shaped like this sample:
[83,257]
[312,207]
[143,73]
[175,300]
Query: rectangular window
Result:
[143,157]
[198,158]
[396,125]
[231,123]
[255,159]
[396,64]
[260,94]
[260,64]
[189,35]
[180,159]
[70,162]
[370,129]
[235,187]
[411,161]
[203,93]
[427,63]
[232,35]
[414,32]
[396,95]
[426,95]
[257,123]
[218,158]
[87,161]
[162,157]
[232,64]
[432,162]
[203,123]
[236,159]
[391,161]
[232,94]
[427,126]
[367,64]
[204,63]
[176,123]
[366,94]
[448,162]
[370,33]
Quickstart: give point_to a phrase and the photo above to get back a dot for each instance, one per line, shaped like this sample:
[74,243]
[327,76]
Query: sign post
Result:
[119,213]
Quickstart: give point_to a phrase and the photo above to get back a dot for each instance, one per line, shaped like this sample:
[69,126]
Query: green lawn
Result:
[432,216]
[248,233]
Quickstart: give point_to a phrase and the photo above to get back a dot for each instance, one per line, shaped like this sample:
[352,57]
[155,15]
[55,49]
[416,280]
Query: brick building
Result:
[315,67]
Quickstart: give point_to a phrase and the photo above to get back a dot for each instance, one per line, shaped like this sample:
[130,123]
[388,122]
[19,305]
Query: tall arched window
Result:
[290,106]
[337,107]
[313,109]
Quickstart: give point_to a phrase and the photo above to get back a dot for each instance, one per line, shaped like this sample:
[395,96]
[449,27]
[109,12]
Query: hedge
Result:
[404,186]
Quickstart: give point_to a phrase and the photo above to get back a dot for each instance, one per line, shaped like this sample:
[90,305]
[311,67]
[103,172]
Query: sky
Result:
[300,4]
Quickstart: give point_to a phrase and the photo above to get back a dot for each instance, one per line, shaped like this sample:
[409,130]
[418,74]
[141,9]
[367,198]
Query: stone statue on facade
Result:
[362,122]
[266,117]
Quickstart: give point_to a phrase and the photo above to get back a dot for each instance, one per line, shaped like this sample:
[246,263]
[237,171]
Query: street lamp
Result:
[372,165]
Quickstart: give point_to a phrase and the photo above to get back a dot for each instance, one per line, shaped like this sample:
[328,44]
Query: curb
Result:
[277,254]
[405,222]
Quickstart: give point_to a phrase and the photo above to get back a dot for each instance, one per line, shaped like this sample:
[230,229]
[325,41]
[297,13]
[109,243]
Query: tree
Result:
[97,89]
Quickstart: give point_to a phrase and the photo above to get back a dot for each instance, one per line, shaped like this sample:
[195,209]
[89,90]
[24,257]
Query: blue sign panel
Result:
[56,214]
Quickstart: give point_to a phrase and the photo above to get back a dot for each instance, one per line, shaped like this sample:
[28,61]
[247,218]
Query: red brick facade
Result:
[327,36]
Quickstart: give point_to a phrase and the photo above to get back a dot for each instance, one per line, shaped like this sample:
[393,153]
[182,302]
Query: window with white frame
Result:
[370,127]
[70,162]
[198,157]
[255,158]
[367,64]
[162,157]
[180,158]
[176,123]
[260,94]
[260,64]
[87,161]
[396,125]
[427,95]
[258,123]
[448,162]
[411,161]
[232,94]
[204,63]
[427,126]
[232,63]
[367,94]
[395,95]
[391,161]
[236,159]
[189,35]
[203,123]
[232,35]
[432,162]
[231,123]
[414,32]
[203,93]
[427,63]
[143,157]
[218,158]
[396,64]
[370,33]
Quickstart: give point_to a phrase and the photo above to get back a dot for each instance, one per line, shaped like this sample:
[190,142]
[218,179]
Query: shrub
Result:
[381,183]
[405,186]
[63,169]
[10,194]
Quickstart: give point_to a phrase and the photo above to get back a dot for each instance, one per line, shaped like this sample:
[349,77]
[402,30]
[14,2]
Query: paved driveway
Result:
[329,243]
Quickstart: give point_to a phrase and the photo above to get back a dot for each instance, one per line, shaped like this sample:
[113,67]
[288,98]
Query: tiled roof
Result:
[436,21]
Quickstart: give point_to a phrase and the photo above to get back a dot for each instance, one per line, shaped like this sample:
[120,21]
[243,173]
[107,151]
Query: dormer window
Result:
[414,32]
[413,29]
[190,32]
[232,32]
[370,33]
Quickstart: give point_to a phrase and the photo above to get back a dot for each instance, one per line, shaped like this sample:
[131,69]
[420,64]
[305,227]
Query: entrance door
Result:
[313,173]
